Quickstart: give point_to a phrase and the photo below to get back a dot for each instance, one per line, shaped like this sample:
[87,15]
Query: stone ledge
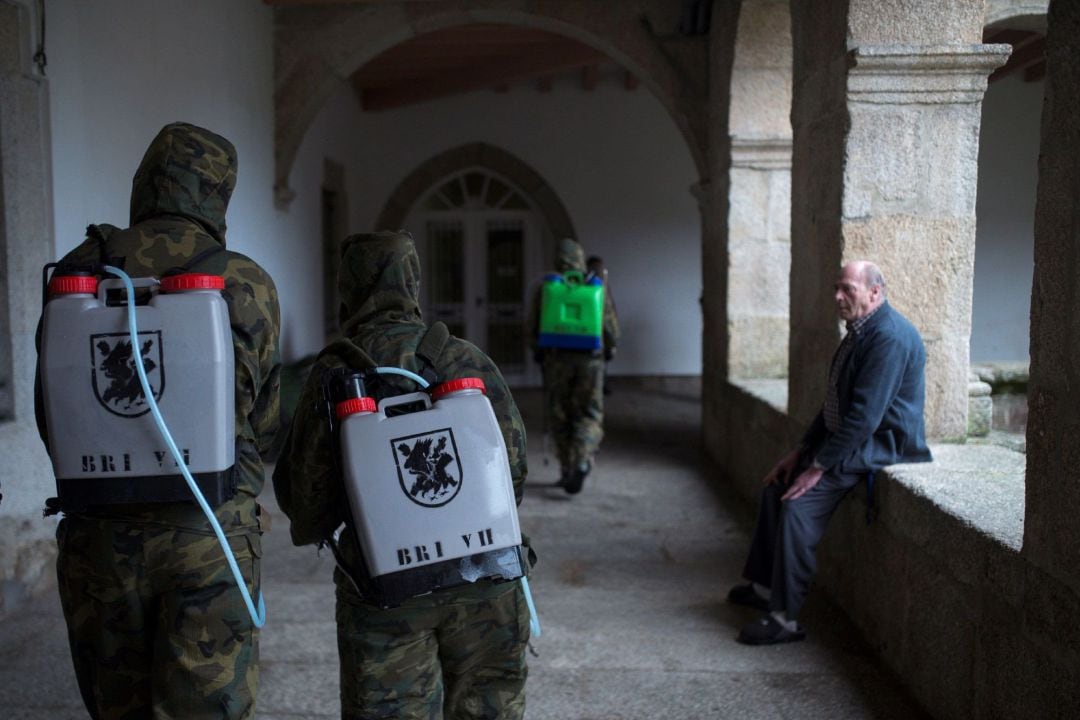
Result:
[982,485]
[771,391]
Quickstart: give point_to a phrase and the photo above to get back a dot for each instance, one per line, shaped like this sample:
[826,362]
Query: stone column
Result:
[891,177]
[759,257]
[1051,529]
[26,244]
[712,196]
[759,223]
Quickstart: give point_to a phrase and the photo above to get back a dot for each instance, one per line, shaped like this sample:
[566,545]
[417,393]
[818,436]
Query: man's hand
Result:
[783,469]
[804,483]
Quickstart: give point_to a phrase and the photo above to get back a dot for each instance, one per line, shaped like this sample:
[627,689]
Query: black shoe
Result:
[768,631]
[747,596]
[576,478]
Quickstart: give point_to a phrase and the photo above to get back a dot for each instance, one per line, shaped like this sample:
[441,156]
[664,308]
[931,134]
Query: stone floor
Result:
[630,590]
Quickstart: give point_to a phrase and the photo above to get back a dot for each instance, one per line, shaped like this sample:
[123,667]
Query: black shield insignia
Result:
[114,376]
[428,467]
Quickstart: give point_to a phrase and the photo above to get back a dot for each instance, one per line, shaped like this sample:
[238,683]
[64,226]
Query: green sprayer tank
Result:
[571,311]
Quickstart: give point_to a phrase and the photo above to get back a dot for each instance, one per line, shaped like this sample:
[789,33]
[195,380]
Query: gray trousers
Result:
[783,552]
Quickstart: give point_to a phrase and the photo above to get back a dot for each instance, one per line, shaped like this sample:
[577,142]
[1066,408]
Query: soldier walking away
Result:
[156,624]
[457,651]
[573,367]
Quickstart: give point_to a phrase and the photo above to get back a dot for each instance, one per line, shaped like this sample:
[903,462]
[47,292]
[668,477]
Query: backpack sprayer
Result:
[428,482]
[104,448]
[571,311]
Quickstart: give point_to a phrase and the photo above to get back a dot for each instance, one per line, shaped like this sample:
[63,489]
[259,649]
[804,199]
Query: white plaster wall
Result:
[1004,245]
[121,69]
[614,158]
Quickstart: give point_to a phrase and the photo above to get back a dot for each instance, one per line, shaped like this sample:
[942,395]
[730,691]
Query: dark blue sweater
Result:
[881,391]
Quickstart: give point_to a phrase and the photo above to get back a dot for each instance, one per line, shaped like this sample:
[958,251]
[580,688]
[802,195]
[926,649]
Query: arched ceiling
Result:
[467,58]
[403,52]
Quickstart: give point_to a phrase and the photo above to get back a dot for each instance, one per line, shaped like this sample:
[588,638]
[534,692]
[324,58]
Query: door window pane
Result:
[446,271]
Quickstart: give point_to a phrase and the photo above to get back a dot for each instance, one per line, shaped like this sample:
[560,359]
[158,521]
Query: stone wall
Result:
[1052,537]
[26,548]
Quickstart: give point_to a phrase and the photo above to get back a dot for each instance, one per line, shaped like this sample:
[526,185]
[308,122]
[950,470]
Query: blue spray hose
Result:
[257,617]
[534,619]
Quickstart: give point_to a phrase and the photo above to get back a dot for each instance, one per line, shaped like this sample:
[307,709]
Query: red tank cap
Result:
[450,386]
[192,281]
[345,408]
[73,285]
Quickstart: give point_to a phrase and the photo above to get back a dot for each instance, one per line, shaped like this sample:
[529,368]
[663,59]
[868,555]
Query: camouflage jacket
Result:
[178,202]
[571,256]
[379,285]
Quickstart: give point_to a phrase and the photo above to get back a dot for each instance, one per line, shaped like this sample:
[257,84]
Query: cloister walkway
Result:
[630,589]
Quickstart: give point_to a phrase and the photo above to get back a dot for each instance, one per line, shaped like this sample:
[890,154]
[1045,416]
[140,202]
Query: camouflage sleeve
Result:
[256,320]
[307,481]
[462,359]
[611,323]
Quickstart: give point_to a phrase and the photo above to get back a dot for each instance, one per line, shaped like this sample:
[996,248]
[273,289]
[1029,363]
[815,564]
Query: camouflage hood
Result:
[378,281]
[187,171]
[569,256]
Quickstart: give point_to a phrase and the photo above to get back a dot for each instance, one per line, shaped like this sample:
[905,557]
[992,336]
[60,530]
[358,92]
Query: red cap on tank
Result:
[460,384]
[192,281]
[352,406]
[73,285]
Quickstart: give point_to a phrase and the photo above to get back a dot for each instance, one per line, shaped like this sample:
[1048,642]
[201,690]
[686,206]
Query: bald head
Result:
[859,290]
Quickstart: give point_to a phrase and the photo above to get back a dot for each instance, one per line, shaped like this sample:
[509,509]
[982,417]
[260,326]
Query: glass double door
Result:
[474,280]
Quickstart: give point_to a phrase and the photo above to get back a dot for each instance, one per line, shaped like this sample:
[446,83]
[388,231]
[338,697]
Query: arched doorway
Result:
[479,241]
[482,238]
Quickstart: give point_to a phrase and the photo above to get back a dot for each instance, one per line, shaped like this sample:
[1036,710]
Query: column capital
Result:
[758,153]
[922,74]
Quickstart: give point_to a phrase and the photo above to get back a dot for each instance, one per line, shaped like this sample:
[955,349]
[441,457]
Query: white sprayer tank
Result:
[429,488]
[104,444]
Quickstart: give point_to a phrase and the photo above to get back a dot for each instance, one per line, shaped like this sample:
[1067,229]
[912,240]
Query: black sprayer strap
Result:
[189,266]
[353,355]
[101,234]
[430,349]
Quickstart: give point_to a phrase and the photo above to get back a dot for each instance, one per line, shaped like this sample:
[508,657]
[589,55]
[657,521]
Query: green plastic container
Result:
[571,311]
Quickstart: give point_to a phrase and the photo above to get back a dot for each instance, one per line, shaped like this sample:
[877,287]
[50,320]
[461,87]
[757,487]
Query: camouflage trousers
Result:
[574,392]
[157,627]
[452,655]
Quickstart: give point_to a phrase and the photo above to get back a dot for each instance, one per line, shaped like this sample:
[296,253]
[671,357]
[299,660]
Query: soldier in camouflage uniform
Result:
[453,653]
[156,624]
[574,383]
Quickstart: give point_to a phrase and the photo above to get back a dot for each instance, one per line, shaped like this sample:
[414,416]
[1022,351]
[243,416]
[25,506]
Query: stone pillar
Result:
[759,223]
[1051,529]
[712,196]
[890,176]
[26,244]
[759,257]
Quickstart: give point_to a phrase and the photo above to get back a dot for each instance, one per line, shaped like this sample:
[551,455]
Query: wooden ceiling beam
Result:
[480,77]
